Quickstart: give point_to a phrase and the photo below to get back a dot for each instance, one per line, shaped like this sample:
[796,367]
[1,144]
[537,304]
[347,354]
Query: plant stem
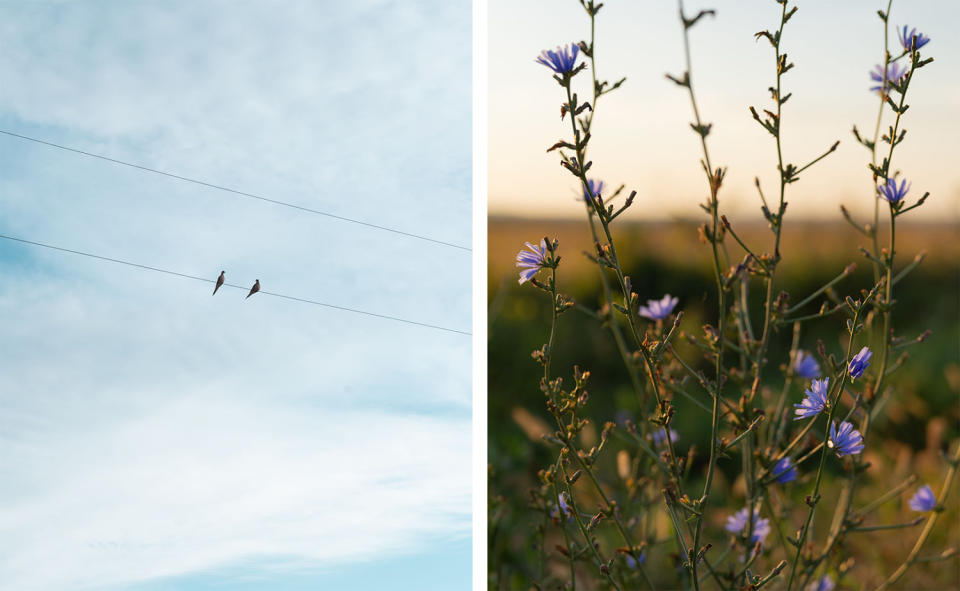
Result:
[714,183]
[814,496]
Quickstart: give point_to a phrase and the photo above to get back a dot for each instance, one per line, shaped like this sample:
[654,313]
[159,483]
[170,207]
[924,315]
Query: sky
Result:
[155,437]
[641,135]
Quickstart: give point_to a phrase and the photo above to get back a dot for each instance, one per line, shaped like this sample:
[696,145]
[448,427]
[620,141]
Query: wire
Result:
[233,191]
[205,280]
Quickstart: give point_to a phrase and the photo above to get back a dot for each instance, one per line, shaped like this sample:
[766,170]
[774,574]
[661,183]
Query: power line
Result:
[205,280]
[233,191]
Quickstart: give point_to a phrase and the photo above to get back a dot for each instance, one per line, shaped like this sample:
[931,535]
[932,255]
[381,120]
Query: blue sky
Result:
[156,437]
[641,135]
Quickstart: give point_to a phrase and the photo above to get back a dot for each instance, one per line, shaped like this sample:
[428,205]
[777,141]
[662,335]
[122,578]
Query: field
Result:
[917,424]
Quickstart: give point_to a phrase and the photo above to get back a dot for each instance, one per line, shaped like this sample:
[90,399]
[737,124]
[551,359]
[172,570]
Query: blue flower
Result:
[892,193]
[562,507]
[532,260]
[660,435]
[846,440]
[596,188]
[923,500]
[806,366]
[562,60]
[859,363]
[784,471]
[814,402]
[824,584]
[894,73]
[737,523]
[912,40]
[634,563]
[658,309]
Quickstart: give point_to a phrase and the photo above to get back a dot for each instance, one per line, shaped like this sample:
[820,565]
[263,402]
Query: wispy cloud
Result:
[151,430]
[197,484]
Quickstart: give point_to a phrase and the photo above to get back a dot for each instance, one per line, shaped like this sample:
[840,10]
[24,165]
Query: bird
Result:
[254,289]
[220,281]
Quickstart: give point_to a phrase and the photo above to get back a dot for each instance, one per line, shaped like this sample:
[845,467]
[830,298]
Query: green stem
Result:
[615,264]
[714,183]
[876,138]
[887,308]
[814,497]
[583,530]
[566,539]
[607,292]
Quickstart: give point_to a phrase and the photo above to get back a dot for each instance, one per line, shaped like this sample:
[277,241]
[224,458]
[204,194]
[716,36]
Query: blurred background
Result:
[642,139]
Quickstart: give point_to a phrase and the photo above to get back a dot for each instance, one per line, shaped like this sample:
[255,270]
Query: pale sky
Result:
[641,134]
[155,437]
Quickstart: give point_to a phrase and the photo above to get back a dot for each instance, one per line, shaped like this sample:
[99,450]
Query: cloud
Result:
[152,430]
[197,484]
[156,435]
[364,113]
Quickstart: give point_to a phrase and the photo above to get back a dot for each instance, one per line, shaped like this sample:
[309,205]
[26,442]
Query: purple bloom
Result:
[923,500]
[824,584]
[894,73]
[596,187]
[660,435]
[658,309]
[562,60]
[859,363]
[634,563]
[846,440]
[815,401]
[737,523]
[892,193]
[806,366]
[532,260]
[784,471]
[562,507]
[912,40]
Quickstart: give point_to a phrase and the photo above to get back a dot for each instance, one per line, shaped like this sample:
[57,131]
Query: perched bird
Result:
[254,289]
[220,281]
